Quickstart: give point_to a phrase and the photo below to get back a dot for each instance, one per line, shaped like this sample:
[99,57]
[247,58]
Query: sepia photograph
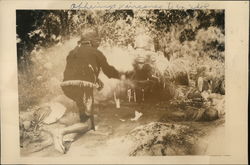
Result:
[130,82]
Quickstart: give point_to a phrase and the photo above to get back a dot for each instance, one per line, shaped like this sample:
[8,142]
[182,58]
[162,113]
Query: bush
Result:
[184,41]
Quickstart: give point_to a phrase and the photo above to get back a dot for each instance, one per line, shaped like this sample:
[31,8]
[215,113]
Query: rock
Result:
[169,151]
[158,149]
[218,103]
[160,139]
[26,115]
[69,118]
[202,114]
[65,101]
[26,124]
[57,111]
[210,114]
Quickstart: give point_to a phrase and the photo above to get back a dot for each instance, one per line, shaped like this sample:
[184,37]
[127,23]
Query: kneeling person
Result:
[80,77]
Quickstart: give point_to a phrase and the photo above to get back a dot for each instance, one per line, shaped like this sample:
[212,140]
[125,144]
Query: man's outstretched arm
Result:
[107,69]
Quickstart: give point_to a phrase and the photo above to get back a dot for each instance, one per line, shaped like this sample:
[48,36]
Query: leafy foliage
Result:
[186,40]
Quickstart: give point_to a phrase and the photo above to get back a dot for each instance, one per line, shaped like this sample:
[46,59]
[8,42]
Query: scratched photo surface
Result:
[121,82]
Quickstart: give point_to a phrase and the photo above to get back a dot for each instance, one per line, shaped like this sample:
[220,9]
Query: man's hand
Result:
[100,84]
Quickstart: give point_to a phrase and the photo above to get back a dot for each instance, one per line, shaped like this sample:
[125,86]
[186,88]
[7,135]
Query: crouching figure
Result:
[80,77]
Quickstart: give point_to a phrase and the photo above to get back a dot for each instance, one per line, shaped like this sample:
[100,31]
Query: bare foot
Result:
[58,141]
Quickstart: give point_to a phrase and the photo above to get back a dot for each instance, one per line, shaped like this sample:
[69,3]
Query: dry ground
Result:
[114,127]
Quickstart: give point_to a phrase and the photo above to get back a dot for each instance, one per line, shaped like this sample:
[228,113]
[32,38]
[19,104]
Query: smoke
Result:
[122,58]
[49,64]
[47,67]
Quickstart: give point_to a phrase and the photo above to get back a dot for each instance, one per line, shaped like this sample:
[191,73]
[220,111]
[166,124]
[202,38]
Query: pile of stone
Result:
[159,139]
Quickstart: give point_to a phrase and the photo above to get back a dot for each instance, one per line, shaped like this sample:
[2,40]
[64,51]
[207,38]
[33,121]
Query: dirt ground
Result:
[113,126]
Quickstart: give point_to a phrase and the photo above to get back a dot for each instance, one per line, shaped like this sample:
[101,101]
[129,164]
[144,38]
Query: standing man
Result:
[80,77]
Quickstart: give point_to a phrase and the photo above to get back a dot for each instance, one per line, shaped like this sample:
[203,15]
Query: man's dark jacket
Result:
[85,63]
